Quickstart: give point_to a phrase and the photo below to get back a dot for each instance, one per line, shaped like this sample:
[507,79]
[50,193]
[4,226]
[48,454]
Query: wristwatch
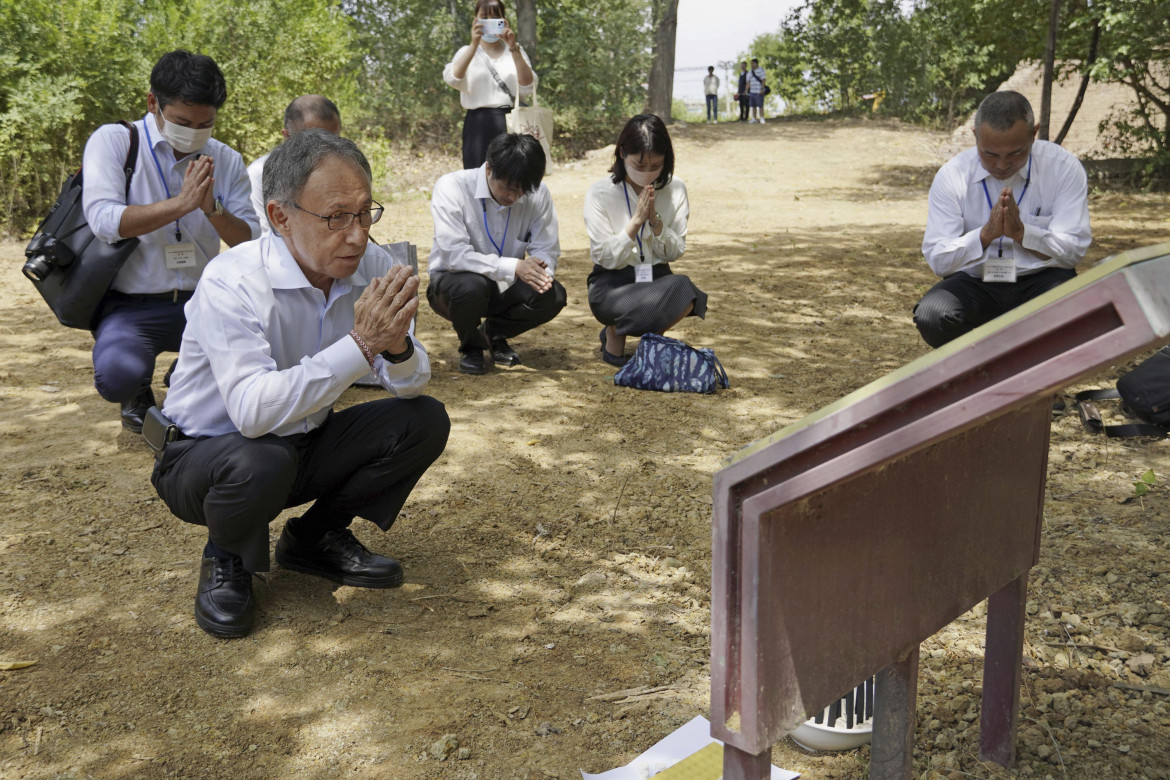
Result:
[401,357]
[216,211]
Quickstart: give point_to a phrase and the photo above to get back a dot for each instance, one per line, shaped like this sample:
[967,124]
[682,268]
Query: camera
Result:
[38,268]
[44,253]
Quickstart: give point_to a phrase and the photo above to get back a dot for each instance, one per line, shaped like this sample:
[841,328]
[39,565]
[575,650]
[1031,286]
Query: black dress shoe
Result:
[224,606]
[134,410]
[472,362]
[340,557]
[503,354]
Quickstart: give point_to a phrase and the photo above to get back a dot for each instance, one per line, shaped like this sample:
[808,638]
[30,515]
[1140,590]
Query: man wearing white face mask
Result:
[188,193]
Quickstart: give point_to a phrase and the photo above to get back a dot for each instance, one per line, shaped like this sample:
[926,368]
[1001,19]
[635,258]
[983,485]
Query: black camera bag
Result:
[81,268]
[1144,393]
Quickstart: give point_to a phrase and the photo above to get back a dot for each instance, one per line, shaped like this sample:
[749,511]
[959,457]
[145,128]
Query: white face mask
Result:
[184,139]
[641,178]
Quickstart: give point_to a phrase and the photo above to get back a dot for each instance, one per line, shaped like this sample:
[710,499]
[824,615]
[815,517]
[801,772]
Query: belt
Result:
[174,296]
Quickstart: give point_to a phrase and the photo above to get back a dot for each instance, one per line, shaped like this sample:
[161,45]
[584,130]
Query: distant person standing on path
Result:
[742,92]
[488,74]
[1007,220]
[711,88]
[756,91]
[636,219]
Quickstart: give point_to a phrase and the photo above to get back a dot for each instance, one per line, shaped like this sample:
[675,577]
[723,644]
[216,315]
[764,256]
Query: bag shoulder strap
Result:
[1091,417]
[130,163]
[499,81]
[131,155]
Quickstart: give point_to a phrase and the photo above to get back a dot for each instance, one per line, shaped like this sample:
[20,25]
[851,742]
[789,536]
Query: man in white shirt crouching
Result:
[189,192]
[303,113]
[276,331]
[495,252]
[1007,220]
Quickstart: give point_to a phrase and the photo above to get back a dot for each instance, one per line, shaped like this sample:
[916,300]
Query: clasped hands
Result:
[382,315]
[1004,220]
[644,213]
[198,185]
[534,272]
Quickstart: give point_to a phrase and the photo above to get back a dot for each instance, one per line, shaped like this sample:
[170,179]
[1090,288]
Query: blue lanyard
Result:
[641,255]
[504,238]
[166,189]
[1019,200]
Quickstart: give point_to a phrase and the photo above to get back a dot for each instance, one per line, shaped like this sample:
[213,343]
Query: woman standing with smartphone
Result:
[488,74]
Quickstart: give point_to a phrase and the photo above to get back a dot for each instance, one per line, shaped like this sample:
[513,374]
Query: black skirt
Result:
[480,127]
[650,307]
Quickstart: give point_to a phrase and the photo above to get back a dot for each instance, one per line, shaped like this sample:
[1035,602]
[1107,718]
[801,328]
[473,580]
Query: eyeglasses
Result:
[341,220]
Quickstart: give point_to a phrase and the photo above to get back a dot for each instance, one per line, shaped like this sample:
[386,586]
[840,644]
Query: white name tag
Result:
[1000,269]
[643,272]
[181,256]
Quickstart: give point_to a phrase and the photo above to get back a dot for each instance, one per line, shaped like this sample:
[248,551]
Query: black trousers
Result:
[743,108]
[363,461]
[466,299]
[480,127]
[961,302]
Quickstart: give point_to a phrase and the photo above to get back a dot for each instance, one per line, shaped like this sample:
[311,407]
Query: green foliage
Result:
[1134,51]
[399,54]
[594,57]
[66,68]
[934,60]
[270,51]
[63,71]
[1142,484]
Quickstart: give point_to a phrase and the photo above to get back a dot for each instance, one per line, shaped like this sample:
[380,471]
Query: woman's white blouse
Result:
[607,214]
[477,88]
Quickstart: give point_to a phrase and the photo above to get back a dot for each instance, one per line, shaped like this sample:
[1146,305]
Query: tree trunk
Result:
[526,27]
[460,30]
[665,21]
[1049,62]
[1088,64]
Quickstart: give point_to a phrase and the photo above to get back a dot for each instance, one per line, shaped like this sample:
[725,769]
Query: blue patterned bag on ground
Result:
[669,365]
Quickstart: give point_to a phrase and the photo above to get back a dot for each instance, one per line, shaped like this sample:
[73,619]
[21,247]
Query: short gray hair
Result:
[1001,110]
[289,166]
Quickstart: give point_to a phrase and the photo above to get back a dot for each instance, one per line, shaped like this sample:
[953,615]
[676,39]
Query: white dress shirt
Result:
[256,176]
[607,213]
[711,84]
[1054,210]
[474,233]
[266,352]
[104,199]
[477,88]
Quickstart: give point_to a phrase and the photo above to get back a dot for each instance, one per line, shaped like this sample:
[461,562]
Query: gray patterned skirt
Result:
[650,307]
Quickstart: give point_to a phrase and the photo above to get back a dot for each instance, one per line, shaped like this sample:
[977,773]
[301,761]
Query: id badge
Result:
[644,272]
[1000,269]
[180,256]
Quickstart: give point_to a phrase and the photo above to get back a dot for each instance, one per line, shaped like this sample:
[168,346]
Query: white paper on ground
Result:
[671,749]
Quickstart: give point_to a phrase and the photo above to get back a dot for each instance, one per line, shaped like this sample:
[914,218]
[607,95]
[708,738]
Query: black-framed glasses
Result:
[341,220]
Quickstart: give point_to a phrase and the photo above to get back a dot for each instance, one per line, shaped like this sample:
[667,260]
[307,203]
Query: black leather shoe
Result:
[503,354]
[224,606]
[134,410]
[340,557]
[472,362]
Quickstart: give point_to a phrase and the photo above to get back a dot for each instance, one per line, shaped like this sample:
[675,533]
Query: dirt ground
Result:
[560,549]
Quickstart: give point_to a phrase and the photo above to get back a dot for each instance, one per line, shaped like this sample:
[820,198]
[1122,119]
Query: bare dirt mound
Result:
[1084,138]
